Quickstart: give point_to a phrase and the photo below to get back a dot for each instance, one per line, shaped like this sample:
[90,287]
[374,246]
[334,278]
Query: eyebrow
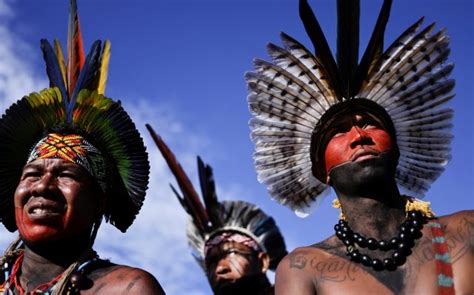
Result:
[63,166]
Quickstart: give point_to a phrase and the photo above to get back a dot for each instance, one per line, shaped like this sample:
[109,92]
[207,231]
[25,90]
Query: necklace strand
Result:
[43,288]
[409,231]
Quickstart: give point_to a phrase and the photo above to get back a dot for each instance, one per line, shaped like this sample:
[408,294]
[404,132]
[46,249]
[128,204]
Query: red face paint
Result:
[356,138]
[55,199]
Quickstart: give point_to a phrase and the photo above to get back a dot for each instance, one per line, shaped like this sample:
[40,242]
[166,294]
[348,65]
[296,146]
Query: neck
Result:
[376,213]
[249,285]
[42,263]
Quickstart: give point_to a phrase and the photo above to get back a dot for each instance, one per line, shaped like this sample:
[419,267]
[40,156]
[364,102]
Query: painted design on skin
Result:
[356,138]
[341,269]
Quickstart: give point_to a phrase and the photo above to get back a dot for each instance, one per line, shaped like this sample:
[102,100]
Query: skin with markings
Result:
[56,206]
[230,264]
[374,210]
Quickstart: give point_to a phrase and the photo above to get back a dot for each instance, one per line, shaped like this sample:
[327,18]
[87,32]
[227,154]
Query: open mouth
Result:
[39,210]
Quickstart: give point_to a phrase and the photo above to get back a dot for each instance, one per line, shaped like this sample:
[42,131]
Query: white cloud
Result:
[16,74]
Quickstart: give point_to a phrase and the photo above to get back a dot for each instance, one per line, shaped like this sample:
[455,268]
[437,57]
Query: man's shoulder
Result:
[124,279]
[459,235]
[461,221]
[457,217]
[305,258]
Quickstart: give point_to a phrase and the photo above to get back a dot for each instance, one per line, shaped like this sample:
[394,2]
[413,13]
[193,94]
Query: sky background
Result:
[179,65]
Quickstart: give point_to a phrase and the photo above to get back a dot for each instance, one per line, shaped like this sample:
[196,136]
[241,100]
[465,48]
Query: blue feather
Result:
[86,77]
[53,69]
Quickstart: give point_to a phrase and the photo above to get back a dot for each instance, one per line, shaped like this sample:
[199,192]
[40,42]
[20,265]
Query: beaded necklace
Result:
[417,214]
[74,282]
[45,288]
[409,231]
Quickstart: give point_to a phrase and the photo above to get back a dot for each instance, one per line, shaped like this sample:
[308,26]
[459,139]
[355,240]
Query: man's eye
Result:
[66,174]
[369,126]
[32,175]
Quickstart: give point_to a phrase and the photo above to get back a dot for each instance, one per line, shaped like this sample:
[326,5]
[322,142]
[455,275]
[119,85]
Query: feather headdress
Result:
[214,217]
[75,103]
[290,95]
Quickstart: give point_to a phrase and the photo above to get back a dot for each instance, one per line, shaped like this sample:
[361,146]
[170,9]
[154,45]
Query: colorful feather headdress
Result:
[290,96]
[214,217]
[74,103]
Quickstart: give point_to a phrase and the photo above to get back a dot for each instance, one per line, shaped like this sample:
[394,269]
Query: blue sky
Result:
[179,65]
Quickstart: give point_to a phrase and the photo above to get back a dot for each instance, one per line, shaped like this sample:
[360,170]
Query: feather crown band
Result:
[75,149]
[290,95]
[75,105]
[229,236]
[214,218]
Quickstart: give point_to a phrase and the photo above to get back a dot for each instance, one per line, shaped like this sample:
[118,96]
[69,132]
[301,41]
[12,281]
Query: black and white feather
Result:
[211,217]
[244,218]
[288,95]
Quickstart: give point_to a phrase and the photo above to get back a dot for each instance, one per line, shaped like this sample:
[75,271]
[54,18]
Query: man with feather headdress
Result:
[234,242]
[69,156]
[363,128]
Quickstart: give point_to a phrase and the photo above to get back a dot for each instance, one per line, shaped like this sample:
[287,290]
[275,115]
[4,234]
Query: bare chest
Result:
[340,276]
[419,275]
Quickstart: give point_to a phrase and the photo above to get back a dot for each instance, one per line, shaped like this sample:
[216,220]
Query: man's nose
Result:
[47,182]
[359,137]
[222,268]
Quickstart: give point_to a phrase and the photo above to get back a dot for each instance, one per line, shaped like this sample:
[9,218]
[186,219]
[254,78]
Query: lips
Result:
[364,154]
[44,209]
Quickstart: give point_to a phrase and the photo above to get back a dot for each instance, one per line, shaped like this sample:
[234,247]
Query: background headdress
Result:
[74,104]
[214,217]
[289,96]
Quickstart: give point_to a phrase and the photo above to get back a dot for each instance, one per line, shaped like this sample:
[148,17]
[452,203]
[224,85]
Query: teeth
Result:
[38,211]
[42,210]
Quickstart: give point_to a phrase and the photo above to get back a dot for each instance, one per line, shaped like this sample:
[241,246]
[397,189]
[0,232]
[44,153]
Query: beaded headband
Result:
[229,236]
[75,149]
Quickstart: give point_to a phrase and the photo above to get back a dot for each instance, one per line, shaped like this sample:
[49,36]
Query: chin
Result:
[247,285]
[364,176]
[40,234]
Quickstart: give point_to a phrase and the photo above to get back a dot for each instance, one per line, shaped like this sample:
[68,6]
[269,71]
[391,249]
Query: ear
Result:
[265,260]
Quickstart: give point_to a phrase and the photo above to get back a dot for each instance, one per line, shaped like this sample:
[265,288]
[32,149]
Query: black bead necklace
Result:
[409,231]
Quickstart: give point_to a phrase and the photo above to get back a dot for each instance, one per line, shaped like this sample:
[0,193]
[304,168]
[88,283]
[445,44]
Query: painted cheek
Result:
[31,231]
[382,140]
[337,152]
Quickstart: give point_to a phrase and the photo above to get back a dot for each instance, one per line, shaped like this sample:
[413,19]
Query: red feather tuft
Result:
[75,48]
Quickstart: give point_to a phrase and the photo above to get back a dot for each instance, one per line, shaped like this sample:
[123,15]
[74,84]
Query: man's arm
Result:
[293,276]
[127,280]
[460,240]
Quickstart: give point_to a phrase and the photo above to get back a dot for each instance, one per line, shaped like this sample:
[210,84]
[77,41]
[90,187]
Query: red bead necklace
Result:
[15,281]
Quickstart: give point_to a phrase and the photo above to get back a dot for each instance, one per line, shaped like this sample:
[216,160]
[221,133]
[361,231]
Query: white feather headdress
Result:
[289,95]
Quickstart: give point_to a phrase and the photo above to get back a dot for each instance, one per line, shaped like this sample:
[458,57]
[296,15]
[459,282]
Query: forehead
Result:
[53,163]
[356,117]
[227,245]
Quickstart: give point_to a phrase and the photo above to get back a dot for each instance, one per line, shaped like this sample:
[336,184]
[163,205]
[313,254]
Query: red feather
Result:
[75,48]
[192,200]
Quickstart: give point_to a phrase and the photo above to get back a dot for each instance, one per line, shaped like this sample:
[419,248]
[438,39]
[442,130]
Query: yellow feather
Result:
[60,56]
[104,67]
